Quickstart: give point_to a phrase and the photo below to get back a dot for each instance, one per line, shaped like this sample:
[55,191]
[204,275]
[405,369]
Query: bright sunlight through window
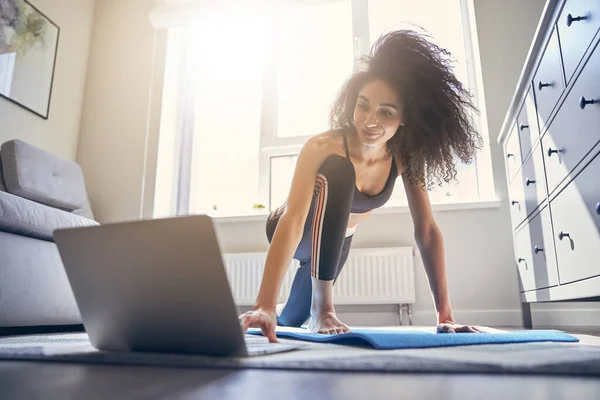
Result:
[243,93]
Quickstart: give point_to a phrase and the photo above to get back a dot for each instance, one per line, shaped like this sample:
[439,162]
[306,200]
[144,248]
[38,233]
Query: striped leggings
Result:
[324,246]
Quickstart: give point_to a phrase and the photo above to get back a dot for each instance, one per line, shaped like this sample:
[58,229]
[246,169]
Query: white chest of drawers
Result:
[551,141]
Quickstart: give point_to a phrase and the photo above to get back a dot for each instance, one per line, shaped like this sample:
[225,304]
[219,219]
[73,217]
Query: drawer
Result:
[527,125]
[512,153]
[548,82]
[576,219]
[523,245]
[575,130]
[535,253]
[543,254]
[578,23]
[534,180]
[517,202]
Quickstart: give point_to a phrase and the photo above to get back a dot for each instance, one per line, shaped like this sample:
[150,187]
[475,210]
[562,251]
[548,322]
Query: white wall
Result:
[479,252]
[59,134]
[116,113]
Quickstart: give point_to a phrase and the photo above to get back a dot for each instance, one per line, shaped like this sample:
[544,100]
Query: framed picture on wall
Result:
[28,46]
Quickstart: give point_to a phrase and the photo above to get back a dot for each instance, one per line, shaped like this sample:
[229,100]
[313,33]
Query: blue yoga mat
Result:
[395,339]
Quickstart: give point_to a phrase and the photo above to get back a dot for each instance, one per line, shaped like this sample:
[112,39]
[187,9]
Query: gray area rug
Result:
[521,358]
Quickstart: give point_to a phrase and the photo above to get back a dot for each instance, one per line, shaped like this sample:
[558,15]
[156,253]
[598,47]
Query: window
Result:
[312,65]
[227,111]
[261,85]
[383,17]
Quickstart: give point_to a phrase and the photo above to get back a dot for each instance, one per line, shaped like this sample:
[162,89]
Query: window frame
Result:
[273,146]
[270,144]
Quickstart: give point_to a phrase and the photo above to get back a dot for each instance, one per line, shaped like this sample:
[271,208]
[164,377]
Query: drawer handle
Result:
[520,260]
[571,19]
[551,151]
[598,208]
[543,85]
[562,235]
[523,126]
[537,249]
[529,181]
[583,102]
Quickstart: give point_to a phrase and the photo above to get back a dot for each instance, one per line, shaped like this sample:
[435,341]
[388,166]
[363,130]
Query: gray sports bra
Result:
[363,203]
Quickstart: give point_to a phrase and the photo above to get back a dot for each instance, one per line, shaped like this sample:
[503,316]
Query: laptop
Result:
[156,285]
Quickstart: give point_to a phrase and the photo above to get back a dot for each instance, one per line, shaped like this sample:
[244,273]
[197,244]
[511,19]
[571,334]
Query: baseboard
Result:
[507,318]
[567,317]
[473,317]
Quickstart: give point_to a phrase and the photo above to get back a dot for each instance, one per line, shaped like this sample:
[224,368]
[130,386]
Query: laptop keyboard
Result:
[259,345]
[254,339]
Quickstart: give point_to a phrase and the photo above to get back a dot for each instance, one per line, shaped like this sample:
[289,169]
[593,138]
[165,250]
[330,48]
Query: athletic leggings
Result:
[324,248]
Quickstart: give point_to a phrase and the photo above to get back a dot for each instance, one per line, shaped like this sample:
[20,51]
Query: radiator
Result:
[370,276]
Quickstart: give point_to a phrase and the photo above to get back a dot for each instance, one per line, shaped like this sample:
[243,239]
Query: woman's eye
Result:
[363,106]
[385,113]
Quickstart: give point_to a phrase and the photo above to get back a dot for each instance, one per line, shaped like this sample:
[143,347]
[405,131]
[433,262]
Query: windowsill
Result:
[457,206]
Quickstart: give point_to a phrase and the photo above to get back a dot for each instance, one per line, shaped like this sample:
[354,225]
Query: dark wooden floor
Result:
[29,380]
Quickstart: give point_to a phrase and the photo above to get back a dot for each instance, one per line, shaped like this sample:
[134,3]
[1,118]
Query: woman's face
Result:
[377,113]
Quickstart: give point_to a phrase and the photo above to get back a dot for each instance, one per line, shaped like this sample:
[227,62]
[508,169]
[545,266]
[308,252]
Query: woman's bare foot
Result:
[322,313]
[326,322]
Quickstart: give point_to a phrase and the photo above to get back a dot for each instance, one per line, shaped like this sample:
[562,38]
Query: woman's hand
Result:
[261,318]
[451,327]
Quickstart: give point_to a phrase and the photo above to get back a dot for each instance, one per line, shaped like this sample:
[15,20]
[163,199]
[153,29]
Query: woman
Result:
[405,114]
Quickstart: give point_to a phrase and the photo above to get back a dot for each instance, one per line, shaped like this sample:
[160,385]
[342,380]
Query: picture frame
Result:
[28,52]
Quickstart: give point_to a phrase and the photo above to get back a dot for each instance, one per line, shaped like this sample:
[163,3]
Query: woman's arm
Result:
[286,237]
[431,246]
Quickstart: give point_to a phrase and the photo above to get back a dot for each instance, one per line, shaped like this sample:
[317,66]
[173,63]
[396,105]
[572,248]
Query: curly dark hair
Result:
[436,124]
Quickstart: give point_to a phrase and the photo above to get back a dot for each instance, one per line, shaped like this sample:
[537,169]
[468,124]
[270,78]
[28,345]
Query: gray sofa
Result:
[39,192]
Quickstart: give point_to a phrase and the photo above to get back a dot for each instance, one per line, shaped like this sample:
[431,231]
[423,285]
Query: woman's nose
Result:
[371,120]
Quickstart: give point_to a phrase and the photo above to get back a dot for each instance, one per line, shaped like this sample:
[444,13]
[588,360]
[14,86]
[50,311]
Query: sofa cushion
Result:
[28,218]
[38,175]
[2,186]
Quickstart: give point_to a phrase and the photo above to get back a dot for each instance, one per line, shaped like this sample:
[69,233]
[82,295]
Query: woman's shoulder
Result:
[326,143]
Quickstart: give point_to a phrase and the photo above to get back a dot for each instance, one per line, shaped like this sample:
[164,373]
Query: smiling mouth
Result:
[370,134]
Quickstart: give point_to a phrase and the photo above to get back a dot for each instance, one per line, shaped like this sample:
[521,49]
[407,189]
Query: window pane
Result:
[227,115]
[282,172]
[444,25]
[463,188]
[314,58]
